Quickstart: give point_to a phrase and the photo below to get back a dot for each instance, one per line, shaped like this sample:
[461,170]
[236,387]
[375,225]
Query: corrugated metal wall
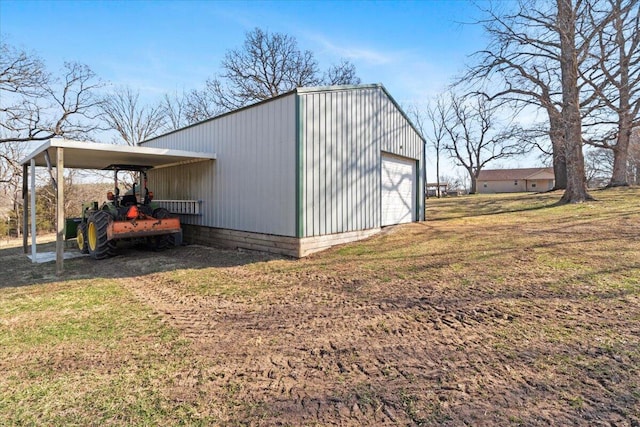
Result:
[343,133]
[251,186]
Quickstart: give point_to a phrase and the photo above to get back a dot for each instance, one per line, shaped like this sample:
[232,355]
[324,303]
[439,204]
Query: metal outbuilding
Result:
[300,172]
[58,153]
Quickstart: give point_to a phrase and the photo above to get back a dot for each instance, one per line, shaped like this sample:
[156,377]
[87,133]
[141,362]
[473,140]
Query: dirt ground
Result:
[403,329]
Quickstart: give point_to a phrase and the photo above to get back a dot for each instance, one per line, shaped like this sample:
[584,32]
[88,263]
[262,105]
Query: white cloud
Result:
[350,51]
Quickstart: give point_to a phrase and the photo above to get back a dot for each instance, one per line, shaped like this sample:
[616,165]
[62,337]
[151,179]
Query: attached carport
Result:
[59,153]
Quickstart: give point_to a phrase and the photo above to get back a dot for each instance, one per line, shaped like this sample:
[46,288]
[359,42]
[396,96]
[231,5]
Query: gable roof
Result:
[514,174]
[301,90]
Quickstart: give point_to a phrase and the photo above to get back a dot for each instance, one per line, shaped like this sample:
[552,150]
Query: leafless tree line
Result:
[36,105]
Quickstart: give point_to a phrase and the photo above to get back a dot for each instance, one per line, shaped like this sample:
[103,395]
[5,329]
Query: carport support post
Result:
[60,210]
[34,248]
[25,206]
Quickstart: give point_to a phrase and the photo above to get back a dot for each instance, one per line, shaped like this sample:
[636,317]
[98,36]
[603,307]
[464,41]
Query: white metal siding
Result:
[398,190]
[343,135]
[251,185]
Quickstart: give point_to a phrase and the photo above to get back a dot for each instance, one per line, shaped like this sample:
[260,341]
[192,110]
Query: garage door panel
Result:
[398,186]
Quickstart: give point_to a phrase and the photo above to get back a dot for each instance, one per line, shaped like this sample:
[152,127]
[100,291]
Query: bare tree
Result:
[201,104]
[268,65]
[598,165]
[343,73]
[21,73]
[174,110]
[417,116]
[11,176]
[566,26]
[430,122]
[522,64]
[475,135]
[600,161]
[536,52]
[134,122]
[634,157]
[616,61]
[35,106]
[436,115]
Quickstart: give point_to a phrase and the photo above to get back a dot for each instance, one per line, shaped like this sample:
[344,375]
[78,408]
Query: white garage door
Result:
[398,189]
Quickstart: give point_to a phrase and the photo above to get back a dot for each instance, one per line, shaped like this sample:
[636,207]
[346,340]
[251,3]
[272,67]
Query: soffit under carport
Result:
[93,155]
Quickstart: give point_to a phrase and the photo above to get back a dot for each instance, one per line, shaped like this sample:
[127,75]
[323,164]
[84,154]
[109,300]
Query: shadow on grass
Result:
[490,207]
[130,261]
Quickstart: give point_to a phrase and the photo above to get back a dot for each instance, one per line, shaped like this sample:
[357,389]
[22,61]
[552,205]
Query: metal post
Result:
[25,208]
[34,248]
[60,210]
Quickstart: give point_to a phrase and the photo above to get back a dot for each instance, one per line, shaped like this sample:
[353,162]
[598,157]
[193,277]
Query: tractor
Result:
[125,217]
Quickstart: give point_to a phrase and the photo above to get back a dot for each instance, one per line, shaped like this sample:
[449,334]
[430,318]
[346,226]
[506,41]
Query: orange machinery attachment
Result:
[142,227]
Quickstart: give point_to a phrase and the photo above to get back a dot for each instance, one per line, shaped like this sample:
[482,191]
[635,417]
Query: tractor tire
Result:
[175,239]
[99,246]
[162,242]
[158,243]
[82,238]
[161,213]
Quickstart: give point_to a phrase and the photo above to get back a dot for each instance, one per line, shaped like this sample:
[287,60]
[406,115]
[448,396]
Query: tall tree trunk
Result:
[621,158]
[576,191]
[625,120]
[474,181]
[620,175]
[556,134]
[438,172]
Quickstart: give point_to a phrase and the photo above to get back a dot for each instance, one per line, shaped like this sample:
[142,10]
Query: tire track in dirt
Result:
[278,351]
[302,375]
[193,315]
[317,349]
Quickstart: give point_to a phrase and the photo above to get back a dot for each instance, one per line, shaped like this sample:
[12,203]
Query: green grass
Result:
[78,311]
[490,204]
[551,294]
[85,350]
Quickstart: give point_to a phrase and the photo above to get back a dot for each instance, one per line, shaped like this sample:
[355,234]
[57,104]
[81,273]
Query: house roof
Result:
[514,174]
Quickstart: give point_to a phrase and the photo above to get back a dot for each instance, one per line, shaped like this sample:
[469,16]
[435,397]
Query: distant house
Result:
[515,180]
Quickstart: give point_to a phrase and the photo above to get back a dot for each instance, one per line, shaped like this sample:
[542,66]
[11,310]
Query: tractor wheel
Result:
[82,238]
[99,246]
[162,242]
[161,213]
[175,239]
[158,243]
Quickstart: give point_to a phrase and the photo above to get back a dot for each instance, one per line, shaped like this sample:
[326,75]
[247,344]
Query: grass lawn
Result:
[498,310]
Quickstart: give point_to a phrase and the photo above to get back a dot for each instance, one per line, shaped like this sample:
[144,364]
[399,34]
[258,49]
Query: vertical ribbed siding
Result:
[251,186]
[344,134]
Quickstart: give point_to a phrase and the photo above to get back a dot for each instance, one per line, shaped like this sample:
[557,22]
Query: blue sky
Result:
[413,47]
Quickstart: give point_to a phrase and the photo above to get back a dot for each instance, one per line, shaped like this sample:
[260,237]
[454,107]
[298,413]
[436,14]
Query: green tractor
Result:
[126,218]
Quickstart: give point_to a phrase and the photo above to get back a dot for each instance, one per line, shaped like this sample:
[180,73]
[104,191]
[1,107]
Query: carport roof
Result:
[93,155]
